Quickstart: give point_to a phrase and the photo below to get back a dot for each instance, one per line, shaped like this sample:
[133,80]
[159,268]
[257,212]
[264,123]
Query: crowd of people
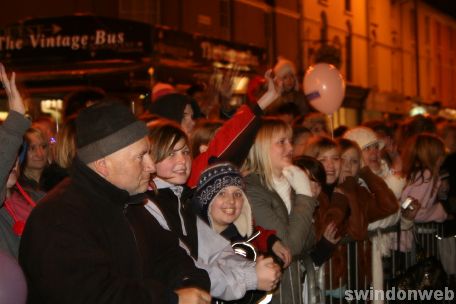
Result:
[116,208]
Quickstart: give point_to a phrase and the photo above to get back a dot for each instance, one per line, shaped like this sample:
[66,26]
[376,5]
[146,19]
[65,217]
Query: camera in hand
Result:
[407,203]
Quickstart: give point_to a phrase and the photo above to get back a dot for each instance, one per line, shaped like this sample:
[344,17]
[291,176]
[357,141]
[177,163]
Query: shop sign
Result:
[212,51]
[202,50]
[74,38]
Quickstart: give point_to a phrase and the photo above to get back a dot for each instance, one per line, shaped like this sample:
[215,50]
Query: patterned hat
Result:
[212,181]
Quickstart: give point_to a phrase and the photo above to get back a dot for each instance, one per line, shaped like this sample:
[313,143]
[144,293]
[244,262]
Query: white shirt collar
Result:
[162,184]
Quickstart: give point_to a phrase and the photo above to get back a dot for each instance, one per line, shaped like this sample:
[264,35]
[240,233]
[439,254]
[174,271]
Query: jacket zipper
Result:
[124,211]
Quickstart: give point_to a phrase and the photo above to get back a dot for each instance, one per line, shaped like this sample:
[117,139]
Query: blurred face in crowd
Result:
[226,207]
[187,122]
[37,151]
[319,129]
[175,168]
[300,144]
[450,140]
[350,163]
[200,98]
[289,82]
[280,152]
[371,157]
[130,168]
[331,162]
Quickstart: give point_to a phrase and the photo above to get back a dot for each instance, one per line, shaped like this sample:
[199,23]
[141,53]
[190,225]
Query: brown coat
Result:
[358,200]
[382,201]
[337,211]
[352,211]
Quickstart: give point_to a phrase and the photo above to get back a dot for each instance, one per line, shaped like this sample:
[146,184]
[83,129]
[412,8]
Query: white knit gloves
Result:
[298,180]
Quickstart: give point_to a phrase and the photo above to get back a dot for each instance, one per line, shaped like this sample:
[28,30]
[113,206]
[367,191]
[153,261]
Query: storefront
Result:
[200,56]
[55,56]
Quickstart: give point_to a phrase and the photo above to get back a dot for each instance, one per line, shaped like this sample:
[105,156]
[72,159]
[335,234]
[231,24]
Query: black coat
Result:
[90,242]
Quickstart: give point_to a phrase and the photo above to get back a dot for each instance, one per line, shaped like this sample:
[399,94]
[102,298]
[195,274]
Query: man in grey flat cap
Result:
[90,240]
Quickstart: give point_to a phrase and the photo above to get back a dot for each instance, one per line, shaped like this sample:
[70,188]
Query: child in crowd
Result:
[172,201]
[220,201]
[339,206]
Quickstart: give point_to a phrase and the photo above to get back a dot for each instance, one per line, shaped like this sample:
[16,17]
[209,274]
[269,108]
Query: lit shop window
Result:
[417,110]
[53,107]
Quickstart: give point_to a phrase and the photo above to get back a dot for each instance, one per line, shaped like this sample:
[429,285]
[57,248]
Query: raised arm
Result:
[12,130]
[234,139]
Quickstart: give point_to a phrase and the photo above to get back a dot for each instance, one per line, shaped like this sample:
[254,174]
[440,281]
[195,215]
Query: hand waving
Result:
[273,92]
[14,98]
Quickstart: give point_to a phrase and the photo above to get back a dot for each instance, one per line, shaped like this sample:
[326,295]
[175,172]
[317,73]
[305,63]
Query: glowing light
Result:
[240,84]
[3,115]
[417,110]
[50,105]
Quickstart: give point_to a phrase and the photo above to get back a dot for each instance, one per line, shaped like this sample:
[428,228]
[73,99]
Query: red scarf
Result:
[19,205]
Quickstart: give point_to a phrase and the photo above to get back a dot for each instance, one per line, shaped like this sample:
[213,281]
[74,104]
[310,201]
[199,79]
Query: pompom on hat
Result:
[162,89]
[105,128]
[212,181]
[364,137]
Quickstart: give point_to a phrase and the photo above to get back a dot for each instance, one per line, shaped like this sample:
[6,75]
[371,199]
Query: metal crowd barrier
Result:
[427,237]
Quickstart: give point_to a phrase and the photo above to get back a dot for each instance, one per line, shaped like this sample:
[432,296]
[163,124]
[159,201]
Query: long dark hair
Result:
[422,153]
[312,167]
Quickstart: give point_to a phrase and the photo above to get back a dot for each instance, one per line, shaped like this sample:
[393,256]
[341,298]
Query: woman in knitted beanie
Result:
[220,201]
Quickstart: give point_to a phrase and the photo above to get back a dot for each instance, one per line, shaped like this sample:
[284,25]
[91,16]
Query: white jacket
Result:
[231,275]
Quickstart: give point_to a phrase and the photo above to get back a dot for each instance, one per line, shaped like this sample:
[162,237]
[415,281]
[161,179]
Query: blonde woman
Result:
[281,199]
[65,149]
[64,153]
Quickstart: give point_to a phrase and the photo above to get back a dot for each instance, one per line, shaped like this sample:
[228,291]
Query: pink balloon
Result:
[324,87]
[13,287]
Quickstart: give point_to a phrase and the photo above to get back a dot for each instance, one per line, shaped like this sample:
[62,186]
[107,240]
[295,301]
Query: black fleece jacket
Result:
[90,242]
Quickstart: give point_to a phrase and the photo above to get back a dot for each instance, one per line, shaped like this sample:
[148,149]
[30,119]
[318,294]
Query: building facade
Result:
[400,52]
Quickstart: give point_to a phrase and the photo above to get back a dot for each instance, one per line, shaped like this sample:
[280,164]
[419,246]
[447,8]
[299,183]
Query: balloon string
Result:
[332,125]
